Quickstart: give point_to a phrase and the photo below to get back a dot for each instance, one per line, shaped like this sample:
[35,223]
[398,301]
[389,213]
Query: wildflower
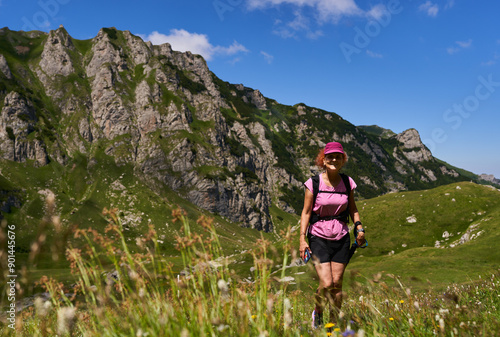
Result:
[328,334]
[336,329]
[402,301]
[42,307]
[444,311]
[133,275]
[222,327]
[65,320]
[254,316]
[329,325]
[391,319]
[287,316]
[441,324]
[223,286]
[270,304]
[348,332]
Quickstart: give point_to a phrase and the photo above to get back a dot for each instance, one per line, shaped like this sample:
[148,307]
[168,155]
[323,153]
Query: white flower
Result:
[441,324]
[65,320]
[223,286]
[42,307]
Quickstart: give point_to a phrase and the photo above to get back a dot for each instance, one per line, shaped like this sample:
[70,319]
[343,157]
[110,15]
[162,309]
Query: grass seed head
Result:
[65,320]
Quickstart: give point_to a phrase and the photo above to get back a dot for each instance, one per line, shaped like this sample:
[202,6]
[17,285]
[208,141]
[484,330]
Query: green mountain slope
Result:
[444,235]
[115,122]
[225,148]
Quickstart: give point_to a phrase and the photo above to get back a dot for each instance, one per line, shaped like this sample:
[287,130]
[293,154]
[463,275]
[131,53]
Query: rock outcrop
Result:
[224,147]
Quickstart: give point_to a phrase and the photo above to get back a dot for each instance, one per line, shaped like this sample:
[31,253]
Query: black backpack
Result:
[344,216]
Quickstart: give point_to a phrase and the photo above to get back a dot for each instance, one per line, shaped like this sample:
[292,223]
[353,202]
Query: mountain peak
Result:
[223,147]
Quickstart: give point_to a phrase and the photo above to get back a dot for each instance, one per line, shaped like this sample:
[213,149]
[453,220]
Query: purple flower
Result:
[348,333]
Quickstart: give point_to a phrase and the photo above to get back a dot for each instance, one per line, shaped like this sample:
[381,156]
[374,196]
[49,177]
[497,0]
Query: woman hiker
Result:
[324,222]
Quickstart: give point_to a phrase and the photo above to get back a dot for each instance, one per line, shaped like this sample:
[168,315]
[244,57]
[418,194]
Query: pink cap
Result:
[333,147]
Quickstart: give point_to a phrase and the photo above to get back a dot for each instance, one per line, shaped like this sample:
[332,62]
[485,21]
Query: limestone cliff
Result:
[224,147]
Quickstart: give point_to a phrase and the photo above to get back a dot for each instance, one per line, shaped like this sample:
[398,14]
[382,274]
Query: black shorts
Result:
[330,250]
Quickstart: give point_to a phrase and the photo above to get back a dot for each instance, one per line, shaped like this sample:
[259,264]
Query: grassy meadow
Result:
[431,268]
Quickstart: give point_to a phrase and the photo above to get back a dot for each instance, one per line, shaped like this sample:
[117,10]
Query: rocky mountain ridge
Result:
[224,147]
[490,178]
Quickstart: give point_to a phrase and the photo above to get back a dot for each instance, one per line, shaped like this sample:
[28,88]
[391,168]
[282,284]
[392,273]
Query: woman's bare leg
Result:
[335,291]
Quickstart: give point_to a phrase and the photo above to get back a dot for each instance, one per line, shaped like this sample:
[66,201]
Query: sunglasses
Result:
[332,156]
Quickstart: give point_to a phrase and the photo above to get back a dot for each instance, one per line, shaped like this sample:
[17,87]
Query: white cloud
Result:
[233,49]
[326,10]
[429,8]
[268,57]
[493,61]
[489,63]
[373,54]
[449,4]
[465,44]
[182,40]
[335,10]
[234,61]
[300,23]
[376,12]
[461,45]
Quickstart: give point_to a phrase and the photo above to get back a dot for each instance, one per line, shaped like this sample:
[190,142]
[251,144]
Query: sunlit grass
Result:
[123,293]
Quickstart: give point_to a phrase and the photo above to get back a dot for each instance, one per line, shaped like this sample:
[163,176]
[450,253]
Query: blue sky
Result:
[400,64]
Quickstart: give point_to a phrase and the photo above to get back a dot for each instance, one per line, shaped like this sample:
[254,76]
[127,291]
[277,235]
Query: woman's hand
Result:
[360,239]
[303,247]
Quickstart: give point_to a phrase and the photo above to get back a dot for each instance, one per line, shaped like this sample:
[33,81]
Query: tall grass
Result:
[124,293]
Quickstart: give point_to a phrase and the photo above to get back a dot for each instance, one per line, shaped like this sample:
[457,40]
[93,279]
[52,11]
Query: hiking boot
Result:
[317,320]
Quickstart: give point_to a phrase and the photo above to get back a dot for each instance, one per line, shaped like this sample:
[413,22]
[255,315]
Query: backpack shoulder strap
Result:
[347,183]
[314,217]
[315,181]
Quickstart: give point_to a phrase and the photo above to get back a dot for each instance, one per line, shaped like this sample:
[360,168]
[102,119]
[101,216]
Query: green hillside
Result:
[408,249]
[402,228]
[228,150]
[82,193]
[403,272]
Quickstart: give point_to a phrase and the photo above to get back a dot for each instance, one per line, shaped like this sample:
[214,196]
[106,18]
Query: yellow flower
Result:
[336,329]
[391,319]
[402,301]
[328,334]
[329,325]
[254,316]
